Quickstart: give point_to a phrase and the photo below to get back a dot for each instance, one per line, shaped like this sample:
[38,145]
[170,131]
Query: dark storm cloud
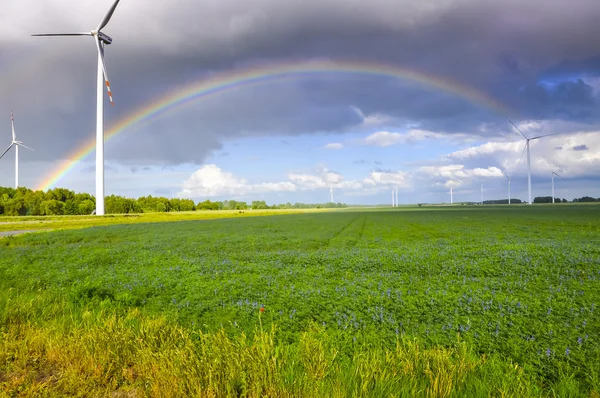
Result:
[580,148]
[508,50]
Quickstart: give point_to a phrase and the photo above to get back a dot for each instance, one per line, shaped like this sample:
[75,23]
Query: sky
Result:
[463,68]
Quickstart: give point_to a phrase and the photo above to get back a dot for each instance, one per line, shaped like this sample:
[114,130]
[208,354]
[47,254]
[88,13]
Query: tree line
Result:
[548,199]
[586,199]
[502,201]
[61,201]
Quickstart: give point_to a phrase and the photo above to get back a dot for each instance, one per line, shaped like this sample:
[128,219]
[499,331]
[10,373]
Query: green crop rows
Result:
[520,283]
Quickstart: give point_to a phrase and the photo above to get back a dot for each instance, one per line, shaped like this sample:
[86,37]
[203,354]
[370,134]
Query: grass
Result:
[448,302]
[96,352]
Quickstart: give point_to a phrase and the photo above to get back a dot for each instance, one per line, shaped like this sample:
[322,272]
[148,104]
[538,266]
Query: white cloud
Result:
[488,148]
[323,179]
[558,150]
[457,174]
[386,138]
[334,145]
[390,178]
[210,181]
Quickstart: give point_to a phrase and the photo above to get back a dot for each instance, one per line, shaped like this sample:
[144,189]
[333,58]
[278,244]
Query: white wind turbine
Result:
[100,39]
[508,178]
[15,144]
[450,182]
[331,193]
[482,194]
[554,174]
[529,157]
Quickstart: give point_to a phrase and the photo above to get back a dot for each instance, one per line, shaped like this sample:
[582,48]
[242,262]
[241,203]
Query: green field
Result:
[493,301]
[40,223]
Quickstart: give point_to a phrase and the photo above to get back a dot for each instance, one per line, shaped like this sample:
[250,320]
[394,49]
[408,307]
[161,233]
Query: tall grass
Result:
[51,348]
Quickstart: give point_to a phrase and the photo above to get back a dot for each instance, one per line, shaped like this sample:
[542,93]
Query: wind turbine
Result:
[15,144]
[450,181]
[100,39]
[554,174]
[331,193]
[508,178]
[482,194]
[529,157]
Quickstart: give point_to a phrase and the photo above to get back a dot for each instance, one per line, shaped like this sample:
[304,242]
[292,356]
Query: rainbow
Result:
[237,78]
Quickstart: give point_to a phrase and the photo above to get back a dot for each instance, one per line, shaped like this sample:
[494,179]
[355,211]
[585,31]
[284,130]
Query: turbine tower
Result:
[16,144]
[482,194]
[451,196]
[508,178]
[527,144]
[331,193]
[554,174]
[100,39]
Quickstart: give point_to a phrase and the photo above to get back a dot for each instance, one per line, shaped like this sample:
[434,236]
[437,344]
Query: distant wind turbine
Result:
[554,174]
[452,190]
[508,178]
[527,145]
[482,194]
[100,39]
[481,188]
[331,193]
[15,144]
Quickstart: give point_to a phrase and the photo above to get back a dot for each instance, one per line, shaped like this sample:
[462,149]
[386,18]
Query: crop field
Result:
[39,223]
[444,302]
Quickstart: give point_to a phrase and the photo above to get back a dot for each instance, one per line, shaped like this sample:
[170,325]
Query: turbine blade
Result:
[543,136]
[556,174]
[63,34]
[108,16]
[515,126]
[522,153]
[12,120]
[7,149]
[101,52]
[25,146]
[505,175]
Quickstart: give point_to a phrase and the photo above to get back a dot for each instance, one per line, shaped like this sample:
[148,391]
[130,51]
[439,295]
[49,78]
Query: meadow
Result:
[443,302]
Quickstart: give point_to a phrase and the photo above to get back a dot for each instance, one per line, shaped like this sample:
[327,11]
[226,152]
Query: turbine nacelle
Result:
[102,37]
